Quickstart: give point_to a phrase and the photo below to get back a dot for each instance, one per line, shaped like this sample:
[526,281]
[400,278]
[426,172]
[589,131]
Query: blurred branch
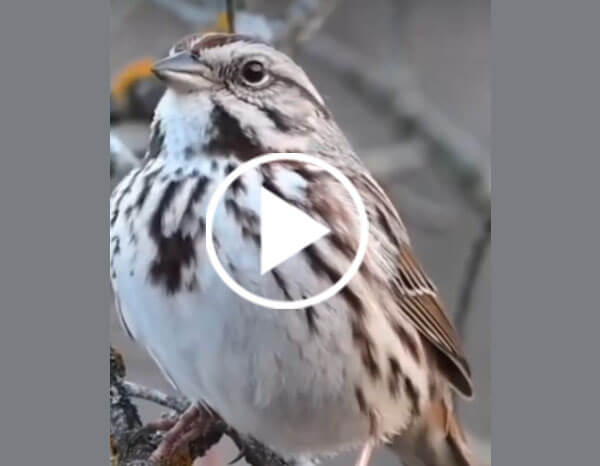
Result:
[303,19]
[125,9]
[176,404]
[393,161]
[461,159]
[122,159]
[425,214]
[132,444]
[123,414]
[230,15]
[474,263]
[189,12]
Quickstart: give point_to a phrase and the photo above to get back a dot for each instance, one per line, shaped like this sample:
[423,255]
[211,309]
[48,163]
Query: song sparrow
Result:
[377,360]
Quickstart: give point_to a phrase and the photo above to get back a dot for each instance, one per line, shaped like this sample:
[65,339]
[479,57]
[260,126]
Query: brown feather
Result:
[417,296]
[423,307]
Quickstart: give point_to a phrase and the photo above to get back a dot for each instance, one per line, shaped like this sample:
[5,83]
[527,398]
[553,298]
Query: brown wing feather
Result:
[417,296]
[425,310]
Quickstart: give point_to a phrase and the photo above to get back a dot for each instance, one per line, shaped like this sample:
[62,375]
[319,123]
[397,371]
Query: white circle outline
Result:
[274,303]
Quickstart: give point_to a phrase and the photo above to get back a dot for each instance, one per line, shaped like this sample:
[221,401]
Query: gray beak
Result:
[181,63]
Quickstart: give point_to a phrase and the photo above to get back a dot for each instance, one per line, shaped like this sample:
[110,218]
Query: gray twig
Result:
[231,15]
[134,390]
[394,161]
[480,246]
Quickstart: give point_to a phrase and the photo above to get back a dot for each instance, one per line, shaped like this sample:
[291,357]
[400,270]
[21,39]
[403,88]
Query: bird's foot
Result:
[179,431]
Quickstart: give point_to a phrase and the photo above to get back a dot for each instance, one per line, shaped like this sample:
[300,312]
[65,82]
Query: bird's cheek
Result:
[296,110]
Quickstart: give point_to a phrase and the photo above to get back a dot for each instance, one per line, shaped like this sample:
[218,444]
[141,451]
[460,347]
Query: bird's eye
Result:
[254,72]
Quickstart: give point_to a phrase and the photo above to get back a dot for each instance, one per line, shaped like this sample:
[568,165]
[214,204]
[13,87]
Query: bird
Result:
[380,360]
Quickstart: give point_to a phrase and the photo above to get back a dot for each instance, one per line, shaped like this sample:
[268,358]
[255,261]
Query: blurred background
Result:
[409,83]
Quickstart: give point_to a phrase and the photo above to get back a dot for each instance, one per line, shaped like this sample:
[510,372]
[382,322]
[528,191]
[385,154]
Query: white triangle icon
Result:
[285,230]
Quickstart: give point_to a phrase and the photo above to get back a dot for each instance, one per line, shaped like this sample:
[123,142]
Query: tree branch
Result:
[132,444]
[177,404]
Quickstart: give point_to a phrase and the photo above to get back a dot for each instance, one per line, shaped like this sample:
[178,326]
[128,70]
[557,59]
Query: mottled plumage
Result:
[374,361]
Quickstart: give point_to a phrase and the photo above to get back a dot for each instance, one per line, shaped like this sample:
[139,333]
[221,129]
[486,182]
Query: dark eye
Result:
[254,72]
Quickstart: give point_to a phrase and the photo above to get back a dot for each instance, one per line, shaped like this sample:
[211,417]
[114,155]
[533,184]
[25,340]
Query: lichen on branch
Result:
[132,443]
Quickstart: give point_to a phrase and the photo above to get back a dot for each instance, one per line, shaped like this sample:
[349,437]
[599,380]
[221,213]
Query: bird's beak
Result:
[182,68]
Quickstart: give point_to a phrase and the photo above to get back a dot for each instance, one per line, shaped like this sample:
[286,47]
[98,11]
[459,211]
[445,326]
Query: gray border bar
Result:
[53,201]
[54,190]
[545,248]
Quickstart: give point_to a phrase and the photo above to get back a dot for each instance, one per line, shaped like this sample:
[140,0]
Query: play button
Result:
[285,230]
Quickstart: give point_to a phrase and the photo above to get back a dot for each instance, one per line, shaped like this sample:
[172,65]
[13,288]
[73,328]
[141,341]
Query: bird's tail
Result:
[437,439]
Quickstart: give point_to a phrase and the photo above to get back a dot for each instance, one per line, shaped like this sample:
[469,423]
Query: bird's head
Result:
[233,95]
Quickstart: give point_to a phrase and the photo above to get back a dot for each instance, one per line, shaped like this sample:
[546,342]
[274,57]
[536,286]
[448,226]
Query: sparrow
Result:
[377,361]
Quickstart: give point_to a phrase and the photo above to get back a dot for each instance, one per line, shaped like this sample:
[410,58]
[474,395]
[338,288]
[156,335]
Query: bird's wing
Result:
[415,293]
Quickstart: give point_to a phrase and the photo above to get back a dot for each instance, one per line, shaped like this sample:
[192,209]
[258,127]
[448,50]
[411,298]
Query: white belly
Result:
[257,368]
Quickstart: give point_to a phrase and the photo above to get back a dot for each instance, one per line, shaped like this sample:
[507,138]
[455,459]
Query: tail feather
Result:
[455,446]
[436,440]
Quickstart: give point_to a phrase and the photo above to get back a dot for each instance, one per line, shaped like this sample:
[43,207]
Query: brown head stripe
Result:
[210,41]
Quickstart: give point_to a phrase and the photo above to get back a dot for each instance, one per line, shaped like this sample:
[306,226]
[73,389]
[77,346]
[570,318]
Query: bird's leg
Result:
[366,453]
[190,425]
